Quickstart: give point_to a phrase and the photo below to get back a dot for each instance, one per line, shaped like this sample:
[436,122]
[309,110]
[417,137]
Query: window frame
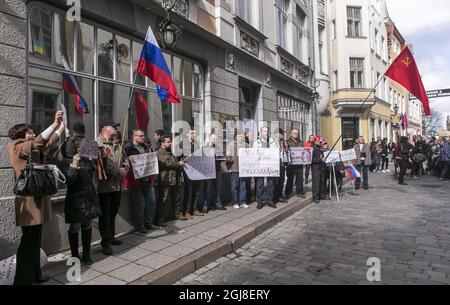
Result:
[354,23]
[358,73]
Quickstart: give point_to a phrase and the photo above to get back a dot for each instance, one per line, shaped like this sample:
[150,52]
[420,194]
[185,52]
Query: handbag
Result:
[38,181]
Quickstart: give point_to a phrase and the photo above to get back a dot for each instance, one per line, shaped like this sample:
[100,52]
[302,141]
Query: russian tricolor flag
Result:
[353,172]
[153,65]
[70,85]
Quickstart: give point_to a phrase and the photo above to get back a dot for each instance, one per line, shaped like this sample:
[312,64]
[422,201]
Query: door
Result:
[350,132]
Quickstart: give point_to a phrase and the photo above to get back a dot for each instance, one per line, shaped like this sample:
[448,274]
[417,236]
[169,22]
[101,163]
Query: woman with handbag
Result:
[24,151]
[81,203]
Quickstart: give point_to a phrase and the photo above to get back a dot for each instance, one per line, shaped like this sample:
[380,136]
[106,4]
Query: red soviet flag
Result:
[404,71]
[141,110]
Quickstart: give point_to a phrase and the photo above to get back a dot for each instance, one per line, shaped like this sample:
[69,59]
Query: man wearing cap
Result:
[363,161]
[110,187]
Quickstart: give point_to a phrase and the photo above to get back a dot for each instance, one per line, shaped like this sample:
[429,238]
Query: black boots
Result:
[86,236]
[73,241]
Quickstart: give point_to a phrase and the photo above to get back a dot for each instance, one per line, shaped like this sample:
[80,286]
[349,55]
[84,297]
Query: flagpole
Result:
[356,114]
[125,125]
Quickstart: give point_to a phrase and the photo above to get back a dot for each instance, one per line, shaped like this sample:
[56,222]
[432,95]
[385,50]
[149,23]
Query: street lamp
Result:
[169,31]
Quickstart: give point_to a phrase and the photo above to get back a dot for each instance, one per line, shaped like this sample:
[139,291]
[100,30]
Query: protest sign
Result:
[89,149]
[259,162]
[334,157]
[8,268]
[144,165]
[348,155]
[301,155]
[201,167]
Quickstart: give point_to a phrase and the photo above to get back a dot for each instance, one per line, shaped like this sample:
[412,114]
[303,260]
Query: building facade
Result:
[359,53]
[235,60]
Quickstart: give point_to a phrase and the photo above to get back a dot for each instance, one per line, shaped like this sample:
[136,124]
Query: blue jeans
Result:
[76,227]
[148,191]
[364,170]
[238,188]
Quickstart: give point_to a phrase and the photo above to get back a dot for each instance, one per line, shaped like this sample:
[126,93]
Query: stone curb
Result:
[187,264]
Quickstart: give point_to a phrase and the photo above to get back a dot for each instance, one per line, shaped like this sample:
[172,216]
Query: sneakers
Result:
[245,206]
[221,208]
[415,177]
[142,230]
[236,206]
[188,216]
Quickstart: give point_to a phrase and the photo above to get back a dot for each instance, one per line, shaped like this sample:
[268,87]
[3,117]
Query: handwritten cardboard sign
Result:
[259,162]
[334,157]
[144,165]
[201,167]
[301,155]
[348,155]
[89,149]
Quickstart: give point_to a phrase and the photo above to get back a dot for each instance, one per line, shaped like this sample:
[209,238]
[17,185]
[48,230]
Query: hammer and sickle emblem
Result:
[407,61]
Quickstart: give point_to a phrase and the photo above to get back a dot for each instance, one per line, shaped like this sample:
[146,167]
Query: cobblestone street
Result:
[406,227]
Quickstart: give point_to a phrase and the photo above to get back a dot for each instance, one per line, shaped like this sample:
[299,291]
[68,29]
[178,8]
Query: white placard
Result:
[144,165]
[348,155]
[334,157]
[65,120]
[259,162]
[8,268]
[201,167]
[301,155]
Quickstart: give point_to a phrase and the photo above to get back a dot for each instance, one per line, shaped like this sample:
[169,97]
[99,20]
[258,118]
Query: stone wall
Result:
[12,109]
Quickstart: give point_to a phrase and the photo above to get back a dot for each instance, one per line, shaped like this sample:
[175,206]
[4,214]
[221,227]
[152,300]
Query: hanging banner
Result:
[348,155]
[259,162]
[144,165]
[201,167]
[301,155]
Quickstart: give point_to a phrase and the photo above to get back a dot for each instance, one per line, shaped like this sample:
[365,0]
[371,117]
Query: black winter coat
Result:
[81,202]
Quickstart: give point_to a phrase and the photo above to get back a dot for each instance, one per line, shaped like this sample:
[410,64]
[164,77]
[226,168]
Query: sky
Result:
[426,24]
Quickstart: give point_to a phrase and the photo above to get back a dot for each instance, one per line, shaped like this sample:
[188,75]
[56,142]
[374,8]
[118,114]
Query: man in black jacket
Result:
[318,163]
[404,150]
[419,156]
[294,171]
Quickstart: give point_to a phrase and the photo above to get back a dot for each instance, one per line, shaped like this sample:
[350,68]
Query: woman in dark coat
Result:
[81,203]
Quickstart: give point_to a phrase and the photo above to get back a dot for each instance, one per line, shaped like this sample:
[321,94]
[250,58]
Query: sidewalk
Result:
[167,255]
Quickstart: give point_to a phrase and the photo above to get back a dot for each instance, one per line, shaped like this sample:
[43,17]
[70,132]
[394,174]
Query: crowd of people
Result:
[95,186]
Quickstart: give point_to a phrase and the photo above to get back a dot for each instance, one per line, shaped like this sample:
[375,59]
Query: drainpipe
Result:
[312,65]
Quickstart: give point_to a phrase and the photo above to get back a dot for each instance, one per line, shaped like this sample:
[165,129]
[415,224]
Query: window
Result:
[356,72]
[245,10]
[336,81]
[293,113]
[375,47]
[353,21]
[282,9]
[333,29]
[40,33]
[106,89]
[299,28]
[383,48]
[322,54]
